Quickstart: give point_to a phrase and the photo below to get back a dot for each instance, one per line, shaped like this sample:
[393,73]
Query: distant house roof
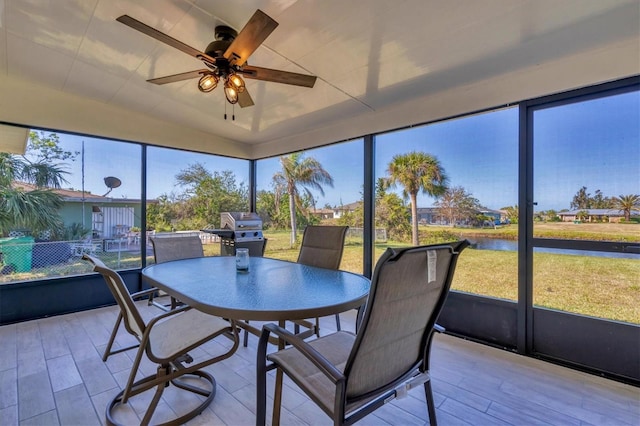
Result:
[321,211]
[72,195]
[350,206]
[424,210]
[485,210]
[597,212]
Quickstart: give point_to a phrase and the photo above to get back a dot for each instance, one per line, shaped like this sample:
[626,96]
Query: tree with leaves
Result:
[599,201]
[582,199]
[298,176]
[417,172]
[392,214]
[34,207]
[207,194]
[456,204]
[161,214]
[512,213]
[627,203]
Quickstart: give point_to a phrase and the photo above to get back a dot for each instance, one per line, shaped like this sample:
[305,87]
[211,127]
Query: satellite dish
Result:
[111,182]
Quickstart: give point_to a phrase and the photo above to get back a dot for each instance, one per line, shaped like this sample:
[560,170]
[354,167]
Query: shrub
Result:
[439,236]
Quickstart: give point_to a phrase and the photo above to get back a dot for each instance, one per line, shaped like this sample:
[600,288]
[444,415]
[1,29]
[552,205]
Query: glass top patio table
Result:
[270,290]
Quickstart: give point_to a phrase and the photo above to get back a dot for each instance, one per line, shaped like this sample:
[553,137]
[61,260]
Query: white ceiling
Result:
[69,65]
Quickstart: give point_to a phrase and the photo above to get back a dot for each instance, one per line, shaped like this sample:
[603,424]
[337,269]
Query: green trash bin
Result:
[16,253]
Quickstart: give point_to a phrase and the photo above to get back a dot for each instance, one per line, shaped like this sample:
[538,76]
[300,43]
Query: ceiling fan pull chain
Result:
[225,110]
[233,114]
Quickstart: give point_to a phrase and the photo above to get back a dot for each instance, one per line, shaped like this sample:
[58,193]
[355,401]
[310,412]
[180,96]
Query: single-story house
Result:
[322,213]
[434,216]
[595,215]
[106,217]
[339,211]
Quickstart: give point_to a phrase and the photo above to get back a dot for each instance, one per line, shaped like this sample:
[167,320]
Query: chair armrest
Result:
[176,311]
[142,293]
[305,349]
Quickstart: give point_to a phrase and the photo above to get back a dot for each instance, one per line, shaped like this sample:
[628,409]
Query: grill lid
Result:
[238,226]
[240,221]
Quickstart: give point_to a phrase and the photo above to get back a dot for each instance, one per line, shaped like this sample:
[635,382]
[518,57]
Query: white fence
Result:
[380,234]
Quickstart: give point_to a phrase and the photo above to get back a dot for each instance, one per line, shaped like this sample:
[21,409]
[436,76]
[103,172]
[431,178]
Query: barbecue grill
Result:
[239,230]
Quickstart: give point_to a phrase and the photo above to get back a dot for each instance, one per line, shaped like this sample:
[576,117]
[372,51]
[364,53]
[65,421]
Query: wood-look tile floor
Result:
[51,373]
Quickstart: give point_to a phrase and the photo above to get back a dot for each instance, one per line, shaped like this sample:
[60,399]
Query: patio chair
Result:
[322,246]
[167,340]
[351,375]
[108,351]
[166,249]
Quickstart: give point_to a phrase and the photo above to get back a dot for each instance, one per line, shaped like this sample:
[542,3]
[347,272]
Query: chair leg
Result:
[277,395]
[108,350]
[430,404]
[162,371]
[112,339]
[359,316]
[277,398]
[338,322]
[261,382]
[245,338]
[132,375]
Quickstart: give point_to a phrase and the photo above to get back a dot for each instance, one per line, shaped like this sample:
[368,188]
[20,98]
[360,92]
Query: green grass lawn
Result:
[629,232]
[596,286]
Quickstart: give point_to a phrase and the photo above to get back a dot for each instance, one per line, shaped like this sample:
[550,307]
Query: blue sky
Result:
[593,144]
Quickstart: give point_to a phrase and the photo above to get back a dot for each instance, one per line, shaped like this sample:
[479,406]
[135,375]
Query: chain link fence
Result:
[24,258]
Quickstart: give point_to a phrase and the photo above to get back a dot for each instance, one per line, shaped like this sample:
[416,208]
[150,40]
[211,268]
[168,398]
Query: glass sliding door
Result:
[586,218]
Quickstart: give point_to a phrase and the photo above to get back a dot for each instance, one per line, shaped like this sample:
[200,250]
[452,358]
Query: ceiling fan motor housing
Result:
[224,36]
[217,48]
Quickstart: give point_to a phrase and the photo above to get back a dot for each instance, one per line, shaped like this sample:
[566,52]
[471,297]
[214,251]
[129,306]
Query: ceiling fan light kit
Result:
[226,58]
[237,82]
[231,92]
[208,82]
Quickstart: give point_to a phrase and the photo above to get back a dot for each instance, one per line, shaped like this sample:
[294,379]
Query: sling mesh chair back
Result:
[322,246]
[166,340]
[350,376]
[166,249]
[108,351]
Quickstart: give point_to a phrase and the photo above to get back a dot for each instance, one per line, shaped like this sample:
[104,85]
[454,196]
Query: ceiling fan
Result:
[226,58]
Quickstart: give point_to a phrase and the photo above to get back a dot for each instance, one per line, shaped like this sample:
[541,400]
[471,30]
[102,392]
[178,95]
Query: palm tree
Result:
[417,171]
[24,207]
[626,203]
[299,175]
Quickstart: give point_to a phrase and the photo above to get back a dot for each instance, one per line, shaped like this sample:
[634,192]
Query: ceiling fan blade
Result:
[250,37]
[178,77]
[244,99]
[164,38]
[278,76]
